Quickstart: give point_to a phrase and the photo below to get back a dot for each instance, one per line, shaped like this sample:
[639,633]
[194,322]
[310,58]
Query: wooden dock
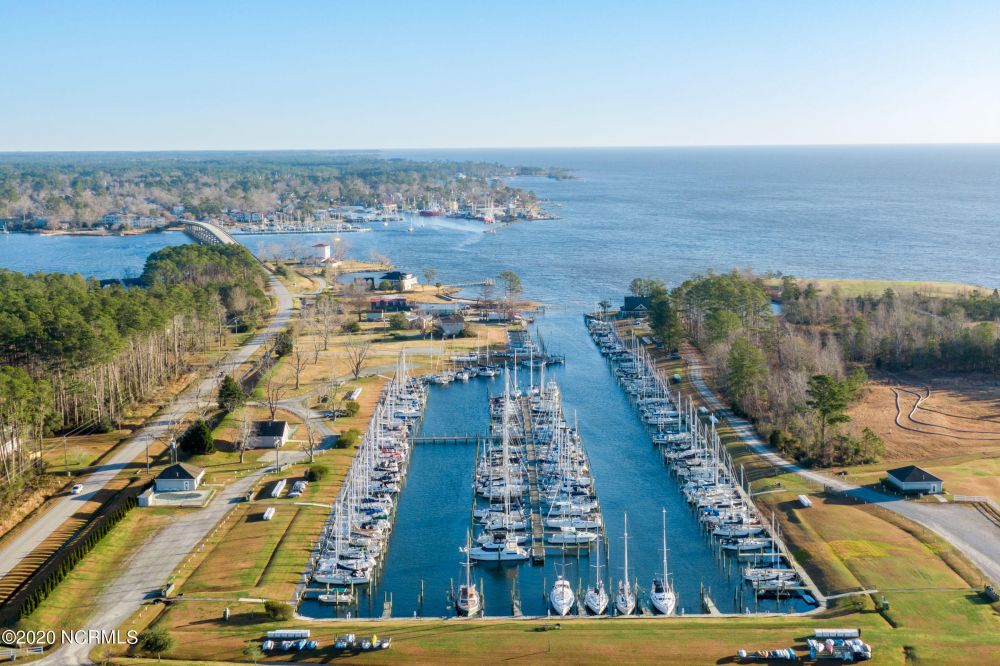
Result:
[453,439]
[534,498]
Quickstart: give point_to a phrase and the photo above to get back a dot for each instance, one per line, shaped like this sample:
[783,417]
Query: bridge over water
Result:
[207,233]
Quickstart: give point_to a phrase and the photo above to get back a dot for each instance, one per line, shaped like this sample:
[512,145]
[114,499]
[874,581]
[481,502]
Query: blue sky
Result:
[382,74]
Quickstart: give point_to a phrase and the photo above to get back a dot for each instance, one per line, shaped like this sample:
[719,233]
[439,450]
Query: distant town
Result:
[270,193]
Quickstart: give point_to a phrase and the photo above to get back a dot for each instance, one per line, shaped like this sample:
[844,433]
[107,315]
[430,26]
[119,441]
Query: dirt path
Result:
[910,422]
[960,525]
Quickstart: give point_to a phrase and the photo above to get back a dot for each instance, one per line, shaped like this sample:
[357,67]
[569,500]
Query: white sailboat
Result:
[468,602]
[625,599]
[662,594]
[596,598]
[561,597]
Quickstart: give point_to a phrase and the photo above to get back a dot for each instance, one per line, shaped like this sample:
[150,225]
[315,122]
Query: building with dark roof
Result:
[179,476]
[399,280]
[634,307]
[269,435]
[912,479]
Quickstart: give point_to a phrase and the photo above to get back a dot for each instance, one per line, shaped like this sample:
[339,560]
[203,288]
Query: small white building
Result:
[322,253]
[269,435]
[912,479]
[451,325]
[179,477]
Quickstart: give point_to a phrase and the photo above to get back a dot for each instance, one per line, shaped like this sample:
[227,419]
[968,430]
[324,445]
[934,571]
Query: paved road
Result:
[23,544]
[149,568]
[962,526]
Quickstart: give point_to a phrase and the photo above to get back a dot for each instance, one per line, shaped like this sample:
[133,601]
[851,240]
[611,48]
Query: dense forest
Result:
[904,331]
[76,190]
[74,354]
[796,373]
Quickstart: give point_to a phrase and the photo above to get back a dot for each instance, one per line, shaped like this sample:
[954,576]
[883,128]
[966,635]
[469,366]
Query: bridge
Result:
[207,233]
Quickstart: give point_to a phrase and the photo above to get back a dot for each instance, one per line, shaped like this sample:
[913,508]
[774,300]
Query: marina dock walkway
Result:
[537,528]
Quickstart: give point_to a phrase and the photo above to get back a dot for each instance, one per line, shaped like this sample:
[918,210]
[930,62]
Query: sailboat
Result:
[468,602]
[502,543]
[625,599]
[662,595]
[596,598]
[561,597]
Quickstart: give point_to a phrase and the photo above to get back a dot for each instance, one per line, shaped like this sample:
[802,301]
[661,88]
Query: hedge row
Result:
[58,572]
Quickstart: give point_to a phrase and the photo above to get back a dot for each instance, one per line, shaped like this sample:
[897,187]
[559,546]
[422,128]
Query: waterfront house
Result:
[912,479]
[388,304]
[269,435]
[179,477]
[634,307]
[451,325]
[399,281]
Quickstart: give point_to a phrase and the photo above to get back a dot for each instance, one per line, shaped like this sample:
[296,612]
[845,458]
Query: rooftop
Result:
[181,471]
[912,474]
[270,428]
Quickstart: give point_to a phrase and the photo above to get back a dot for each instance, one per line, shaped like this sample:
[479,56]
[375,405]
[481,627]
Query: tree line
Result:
[791,381]
[75,354]
[909,331]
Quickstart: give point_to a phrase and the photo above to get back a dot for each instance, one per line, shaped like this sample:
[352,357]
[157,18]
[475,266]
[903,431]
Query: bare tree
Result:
[299,361]
[273,393]
[326,313]
[317,346]
[357,349]
[243,441]
[311,439]
[356,297]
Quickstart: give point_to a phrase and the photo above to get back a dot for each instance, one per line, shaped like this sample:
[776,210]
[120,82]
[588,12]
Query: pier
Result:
[534,497]
[474,440]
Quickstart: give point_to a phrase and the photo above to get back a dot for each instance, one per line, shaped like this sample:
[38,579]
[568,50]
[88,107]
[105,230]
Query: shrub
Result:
[231,395]
[348,438]
[352,407]
[278,610]
[352,327]
[283,344]
[198,439]
[317,472]
[155,640]
[397,322]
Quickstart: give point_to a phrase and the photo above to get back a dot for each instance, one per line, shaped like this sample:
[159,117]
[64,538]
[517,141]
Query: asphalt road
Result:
[147,571]
[960,525]
[24,543]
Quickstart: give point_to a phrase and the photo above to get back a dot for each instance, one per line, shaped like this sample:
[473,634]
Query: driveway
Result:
[962,526]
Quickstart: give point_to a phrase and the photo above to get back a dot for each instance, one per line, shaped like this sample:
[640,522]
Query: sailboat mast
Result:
[664,548]
[626,549]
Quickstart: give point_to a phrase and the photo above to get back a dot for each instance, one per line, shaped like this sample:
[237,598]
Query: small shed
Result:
[269,435]
[179,477]
[912,479]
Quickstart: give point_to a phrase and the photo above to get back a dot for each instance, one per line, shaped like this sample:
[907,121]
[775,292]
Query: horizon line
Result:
[445,148]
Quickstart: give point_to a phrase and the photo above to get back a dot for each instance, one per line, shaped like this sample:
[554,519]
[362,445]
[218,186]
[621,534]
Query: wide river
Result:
[920,213]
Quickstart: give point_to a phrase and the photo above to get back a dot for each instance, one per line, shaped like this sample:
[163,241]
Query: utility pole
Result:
[65,456]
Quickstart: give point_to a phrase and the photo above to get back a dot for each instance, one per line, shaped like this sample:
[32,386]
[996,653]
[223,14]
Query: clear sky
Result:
[136,75]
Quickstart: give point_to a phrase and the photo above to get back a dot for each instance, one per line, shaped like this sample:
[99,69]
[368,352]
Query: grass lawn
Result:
[958,630]
[74,599]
